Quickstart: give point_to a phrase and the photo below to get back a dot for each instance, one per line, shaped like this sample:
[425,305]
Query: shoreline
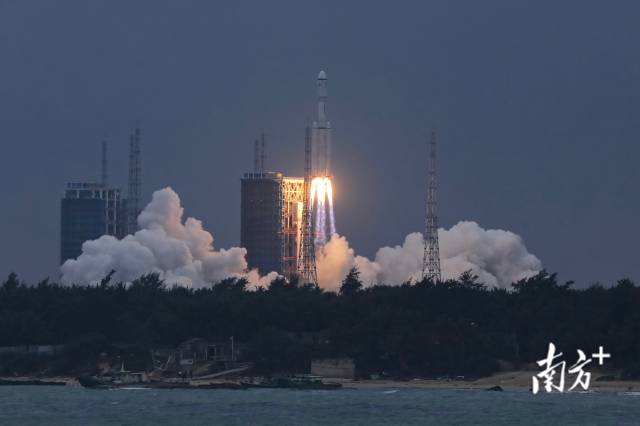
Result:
[508,381]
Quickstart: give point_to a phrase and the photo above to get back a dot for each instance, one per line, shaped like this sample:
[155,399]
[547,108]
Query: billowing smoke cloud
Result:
[333,262]
[182,253]
[498,258]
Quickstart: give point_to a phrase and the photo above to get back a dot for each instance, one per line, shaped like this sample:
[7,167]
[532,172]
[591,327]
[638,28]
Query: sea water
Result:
[74,405]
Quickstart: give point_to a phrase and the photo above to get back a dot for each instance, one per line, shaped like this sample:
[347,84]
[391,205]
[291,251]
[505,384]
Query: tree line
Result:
[424,329]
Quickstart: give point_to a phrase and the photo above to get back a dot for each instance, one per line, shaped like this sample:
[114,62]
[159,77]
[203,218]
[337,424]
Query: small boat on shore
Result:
[31,382]
[140,380]
[91,382]
[298,381]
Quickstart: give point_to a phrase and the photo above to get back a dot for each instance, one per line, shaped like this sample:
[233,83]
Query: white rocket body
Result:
[321,133]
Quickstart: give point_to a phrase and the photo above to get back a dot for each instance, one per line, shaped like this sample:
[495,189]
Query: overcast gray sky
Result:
[536,104]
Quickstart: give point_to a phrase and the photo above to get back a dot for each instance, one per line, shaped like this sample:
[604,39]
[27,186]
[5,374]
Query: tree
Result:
[457,327]
[11,283]
[468,279]
[351,283]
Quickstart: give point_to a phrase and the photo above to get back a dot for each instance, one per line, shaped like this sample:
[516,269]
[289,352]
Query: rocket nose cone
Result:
[322,75]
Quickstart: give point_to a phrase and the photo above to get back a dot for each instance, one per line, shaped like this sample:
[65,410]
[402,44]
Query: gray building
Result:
[335,368]
[88,211]
[270,217]
[261,220]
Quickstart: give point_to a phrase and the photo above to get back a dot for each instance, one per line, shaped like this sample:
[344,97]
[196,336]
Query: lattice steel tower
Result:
[134,193]
[307,252]
[431,257]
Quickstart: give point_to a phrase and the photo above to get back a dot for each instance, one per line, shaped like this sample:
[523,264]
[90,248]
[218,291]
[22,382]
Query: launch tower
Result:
[134,194]
[307,252]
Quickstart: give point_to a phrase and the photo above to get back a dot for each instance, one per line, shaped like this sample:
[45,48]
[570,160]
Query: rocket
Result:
[321,132]
[321,195]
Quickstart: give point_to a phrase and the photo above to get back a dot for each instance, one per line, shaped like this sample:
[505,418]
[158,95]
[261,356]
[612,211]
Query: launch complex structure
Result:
[284,220]
[90,209]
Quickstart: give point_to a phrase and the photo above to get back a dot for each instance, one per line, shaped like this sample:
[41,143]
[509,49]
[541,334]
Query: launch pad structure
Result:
[307,272]
[293,194]
[134,193]
[271,214]
[91,209]
[271,208]
[285,219]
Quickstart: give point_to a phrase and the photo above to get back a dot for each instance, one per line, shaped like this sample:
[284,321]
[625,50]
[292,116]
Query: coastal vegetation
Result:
[449,329]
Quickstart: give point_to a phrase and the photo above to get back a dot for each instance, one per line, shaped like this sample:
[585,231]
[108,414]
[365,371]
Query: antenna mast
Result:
[307,254]
[431,258]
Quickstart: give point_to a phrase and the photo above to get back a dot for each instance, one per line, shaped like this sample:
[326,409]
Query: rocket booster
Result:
[321,132]
[322,98]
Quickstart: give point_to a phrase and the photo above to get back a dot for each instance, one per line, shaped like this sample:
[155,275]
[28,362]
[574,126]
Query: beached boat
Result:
[298,381]
[140,380]
[92,382]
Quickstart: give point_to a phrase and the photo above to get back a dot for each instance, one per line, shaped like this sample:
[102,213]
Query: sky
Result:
[535,103]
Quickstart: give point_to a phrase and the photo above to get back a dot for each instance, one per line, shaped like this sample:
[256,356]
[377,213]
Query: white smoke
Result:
[181,253]
[498,258]
[333,262]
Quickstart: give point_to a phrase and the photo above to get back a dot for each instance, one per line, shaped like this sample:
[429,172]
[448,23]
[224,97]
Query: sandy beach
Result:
[513,380]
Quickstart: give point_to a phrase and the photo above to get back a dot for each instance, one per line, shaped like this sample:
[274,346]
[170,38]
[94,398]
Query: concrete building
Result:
[334,368]
[261,219]
[196,357]
[88,211]
[39,350]
[270,218]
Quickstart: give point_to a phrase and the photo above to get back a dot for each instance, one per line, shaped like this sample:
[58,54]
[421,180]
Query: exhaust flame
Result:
[321,199]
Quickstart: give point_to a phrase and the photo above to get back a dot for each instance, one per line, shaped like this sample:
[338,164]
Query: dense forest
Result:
[456,327]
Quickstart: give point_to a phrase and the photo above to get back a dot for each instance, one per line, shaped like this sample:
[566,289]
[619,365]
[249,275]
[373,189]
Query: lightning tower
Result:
[105,170]
[134,194]
[263,152]
[256,156]
[431,257]
[259,154]
[307,254]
